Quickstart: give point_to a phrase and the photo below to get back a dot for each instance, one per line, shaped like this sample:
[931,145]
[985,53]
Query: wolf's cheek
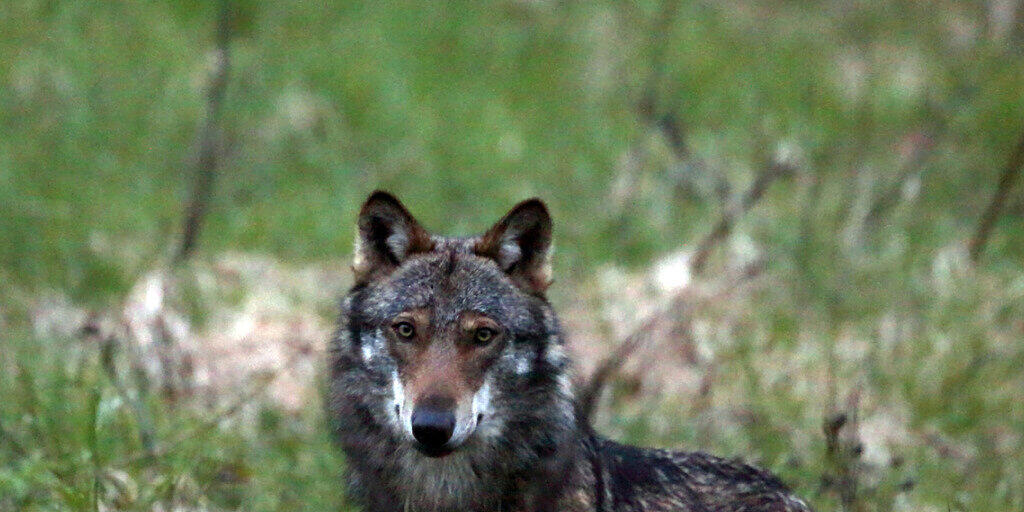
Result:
[383,368]
[516,362]
[373,346]
[481,406]
[485,420]
[398,410]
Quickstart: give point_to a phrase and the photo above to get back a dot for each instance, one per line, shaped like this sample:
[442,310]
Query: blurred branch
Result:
[725,224]
[843,449]
[674,132]
[659,32]
[663,120]
[109,343]
[995,207]
[260,385]
[679,306]
[590,392]
[919,146]
[147,432]
[207,161]
[672,129]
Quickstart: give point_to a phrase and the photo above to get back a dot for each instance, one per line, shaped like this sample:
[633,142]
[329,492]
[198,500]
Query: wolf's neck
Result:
[530,468]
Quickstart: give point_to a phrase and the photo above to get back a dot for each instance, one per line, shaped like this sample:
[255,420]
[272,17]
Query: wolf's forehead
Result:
[453,244]
[449,283]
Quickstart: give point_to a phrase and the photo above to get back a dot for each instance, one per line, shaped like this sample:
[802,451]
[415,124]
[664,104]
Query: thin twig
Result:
[207,161]
[673,131]
[843,449]
[591,390]
[143,422]
[1007,180]
[659,32]
[229,410]
[610,365]
[675,136]
[680,305]
[728,219]
[662,119]
[646,106]
[920,148]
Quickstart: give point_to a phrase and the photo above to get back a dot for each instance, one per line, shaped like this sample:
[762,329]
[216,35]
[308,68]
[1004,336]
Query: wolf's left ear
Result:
[521,245]
[387,235]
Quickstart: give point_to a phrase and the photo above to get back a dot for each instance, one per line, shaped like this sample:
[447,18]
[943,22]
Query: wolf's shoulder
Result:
[646,479]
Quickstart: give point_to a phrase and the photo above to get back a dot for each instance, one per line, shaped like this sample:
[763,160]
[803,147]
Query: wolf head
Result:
[448,363]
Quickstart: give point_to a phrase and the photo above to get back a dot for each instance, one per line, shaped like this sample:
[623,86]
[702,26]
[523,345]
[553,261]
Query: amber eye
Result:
[483,335]
[404,330]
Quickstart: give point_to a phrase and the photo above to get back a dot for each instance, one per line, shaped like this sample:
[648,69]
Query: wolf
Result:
[450,386]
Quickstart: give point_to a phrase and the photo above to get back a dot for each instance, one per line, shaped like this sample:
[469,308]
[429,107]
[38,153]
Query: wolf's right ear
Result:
[520,243]
[387,234]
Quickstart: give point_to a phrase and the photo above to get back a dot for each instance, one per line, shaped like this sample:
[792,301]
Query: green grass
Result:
[464,108]
[70,440]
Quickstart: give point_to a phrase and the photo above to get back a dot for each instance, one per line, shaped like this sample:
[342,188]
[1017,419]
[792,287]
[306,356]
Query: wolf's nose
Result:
[432,427]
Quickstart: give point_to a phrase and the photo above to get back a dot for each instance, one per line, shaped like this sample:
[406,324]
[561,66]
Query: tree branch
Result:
[728,219]
[995,207]
[648,107]
[919,148]
[675,137]
[207,160]
[680,305]
[590,392]
[843,448]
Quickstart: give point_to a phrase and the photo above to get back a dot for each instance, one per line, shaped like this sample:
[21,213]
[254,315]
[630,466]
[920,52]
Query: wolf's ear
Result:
[521,245]
[386,236]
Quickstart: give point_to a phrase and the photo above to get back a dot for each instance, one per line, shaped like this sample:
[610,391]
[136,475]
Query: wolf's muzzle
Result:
[432,427]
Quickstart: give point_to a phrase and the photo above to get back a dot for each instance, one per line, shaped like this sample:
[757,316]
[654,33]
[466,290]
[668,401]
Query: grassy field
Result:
[840,332]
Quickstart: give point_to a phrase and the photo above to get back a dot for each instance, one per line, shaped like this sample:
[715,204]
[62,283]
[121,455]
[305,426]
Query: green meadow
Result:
[855,322]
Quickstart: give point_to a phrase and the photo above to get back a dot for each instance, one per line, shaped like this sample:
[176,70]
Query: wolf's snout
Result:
[433,428]
[433,424]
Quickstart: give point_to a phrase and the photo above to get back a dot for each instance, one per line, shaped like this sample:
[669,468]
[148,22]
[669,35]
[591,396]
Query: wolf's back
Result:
[632,479]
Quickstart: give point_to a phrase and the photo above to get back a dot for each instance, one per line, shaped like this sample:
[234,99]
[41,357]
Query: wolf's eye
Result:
[404,330]
[483,335]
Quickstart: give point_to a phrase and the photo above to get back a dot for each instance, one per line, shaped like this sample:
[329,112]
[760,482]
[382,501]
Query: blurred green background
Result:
[885,125]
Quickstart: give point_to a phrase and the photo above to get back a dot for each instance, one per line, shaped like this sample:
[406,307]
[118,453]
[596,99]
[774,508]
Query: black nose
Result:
[432,427]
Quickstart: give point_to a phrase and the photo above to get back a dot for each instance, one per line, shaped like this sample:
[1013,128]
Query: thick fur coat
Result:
[450,387]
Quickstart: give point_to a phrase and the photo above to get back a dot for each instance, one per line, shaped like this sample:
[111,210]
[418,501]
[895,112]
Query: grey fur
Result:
[527,452]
